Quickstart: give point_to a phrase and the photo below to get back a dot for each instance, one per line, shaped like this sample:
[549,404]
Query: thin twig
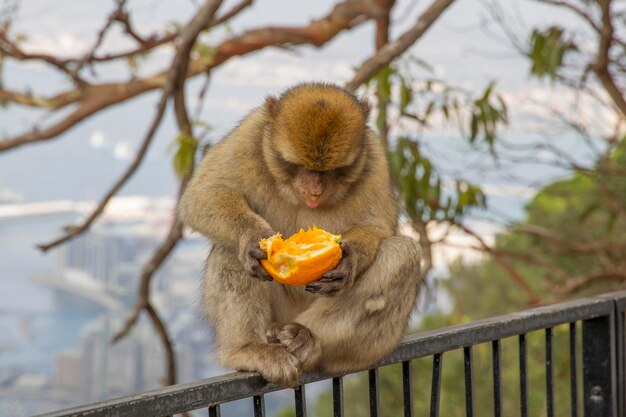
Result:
[176,73]
[177,85]
[382,38]
[394,49]
[533,297]
[113,17]
[601,66]
[143,294]
[344,15]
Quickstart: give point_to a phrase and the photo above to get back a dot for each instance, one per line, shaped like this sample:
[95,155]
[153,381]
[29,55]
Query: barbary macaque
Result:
[302,159]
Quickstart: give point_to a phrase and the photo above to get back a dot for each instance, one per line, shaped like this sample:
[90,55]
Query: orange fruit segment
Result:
[302,258]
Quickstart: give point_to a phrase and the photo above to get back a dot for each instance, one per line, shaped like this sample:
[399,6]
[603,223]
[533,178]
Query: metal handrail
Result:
[238,385]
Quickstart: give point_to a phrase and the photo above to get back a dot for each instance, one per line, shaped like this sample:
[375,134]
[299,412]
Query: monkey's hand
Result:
[250,253]
[336,279]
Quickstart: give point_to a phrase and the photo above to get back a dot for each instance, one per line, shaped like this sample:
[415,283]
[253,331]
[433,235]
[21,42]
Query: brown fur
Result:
[311,140]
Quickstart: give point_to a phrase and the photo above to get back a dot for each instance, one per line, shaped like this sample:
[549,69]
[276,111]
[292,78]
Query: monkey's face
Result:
[316,144]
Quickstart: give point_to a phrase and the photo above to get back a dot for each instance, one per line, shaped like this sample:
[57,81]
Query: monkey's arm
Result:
[222,214]
[362,243]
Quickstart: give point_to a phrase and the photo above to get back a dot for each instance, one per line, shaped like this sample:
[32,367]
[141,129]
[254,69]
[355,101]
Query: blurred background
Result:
[504,123]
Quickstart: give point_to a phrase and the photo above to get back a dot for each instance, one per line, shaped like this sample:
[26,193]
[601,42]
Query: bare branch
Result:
[113,17]
[11,49]
[130,171]
[237,8]
[176,74]
[394,49]
[574,285]
[574,8]
[170,358]
[32,100]
[565,245]
[533,297]
[344,15]
[382,38]
[601,66]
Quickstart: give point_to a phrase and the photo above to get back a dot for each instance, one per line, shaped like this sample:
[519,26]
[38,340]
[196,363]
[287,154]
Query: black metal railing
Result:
[603,374]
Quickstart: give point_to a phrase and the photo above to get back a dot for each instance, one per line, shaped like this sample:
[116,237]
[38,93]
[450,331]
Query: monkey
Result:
[306,157]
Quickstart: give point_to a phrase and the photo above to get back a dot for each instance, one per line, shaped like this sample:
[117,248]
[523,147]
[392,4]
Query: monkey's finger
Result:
[257,253]
[324,288]
[313,287]
[258,271]
[345,249]
[333,275]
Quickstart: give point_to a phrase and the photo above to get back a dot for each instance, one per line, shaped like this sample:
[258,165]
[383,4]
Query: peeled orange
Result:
[302,258]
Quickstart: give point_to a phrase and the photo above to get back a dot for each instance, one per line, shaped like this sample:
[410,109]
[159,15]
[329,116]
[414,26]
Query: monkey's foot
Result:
[299,341]
[280,366]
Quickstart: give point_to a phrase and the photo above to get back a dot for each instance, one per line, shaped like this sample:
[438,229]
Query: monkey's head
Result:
[315,148]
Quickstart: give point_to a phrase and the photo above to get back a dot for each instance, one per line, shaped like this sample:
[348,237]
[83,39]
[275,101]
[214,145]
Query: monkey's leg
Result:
[358,327]
[238,306]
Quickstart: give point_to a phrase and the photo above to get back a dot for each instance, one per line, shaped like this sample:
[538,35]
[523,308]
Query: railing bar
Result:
[259,405]
[436,385]
[431,342]
[497,379]
[300,399]
[549,375]
[231,387]
[469,382]
[374,393]
[599,373]
[573,369]
[523,378]
[214,411]
[619,351]
[338,397]
[407,388]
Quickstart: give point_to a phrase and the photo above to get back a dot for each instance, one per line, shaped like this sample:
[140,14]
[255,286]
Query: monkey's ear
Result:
[365,107]
[272,105]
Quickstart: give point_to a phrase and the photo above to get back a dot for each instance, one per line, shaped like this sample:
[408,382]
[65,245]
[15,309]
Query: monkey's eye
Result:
[343,171]
[289,167]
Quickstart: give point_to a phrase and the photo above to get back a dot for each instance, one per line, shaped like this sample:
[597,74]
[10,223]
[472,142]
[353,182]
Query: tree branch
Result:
[574,285]
[344,15]
[116,15]
[394,49]
[382,38]
[170,358]
[176,73]
[601,66]
[176,229]
[575,9]
[533,297]
[143,294]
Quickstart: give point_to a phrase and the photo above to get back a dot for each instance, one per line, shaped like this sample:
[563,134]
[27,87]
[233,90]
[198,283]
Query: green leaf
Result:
[185,154]
[383,84]
[406,94]
[473,127]
[548,50]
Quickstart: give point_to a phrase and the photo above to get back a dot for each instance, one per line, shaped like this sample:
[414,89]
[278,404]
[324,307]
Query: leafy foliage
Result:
[423,193]
[486,115]
[548,49]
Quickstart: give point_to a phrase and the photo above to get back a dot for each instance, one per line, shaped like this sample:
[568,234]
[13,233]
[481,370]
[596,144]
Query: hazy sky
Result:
[461,48]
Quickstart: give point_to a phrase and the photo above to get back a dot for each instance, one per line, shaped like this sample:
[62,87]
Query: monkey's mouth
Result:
[312,203]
